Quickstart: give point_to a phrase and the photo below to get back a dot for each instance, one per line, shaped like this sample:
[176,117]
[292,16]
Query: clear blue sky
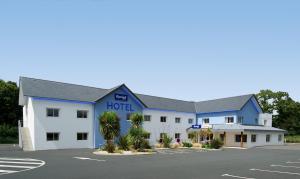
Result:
[191,50]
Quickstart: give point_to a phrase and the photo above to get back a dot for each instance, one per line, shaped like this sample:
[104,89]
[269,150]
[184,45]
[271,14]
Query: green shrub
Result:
[8,134]
[187,144]
[216,143]
[292,139]
[123,142]
[166,141]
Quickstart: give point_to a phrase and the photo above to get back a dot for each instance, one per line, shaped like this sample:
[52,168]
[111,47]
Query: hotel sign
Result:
[196,126]
[121,97]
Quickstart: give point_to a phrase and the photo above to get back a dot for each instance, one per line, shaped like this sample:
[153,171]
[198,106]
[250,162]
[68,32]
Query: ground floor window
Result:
[268,137]
[52,136]
[253,138]
[128,116]
[279,138]
[147,136]
[190,135]
[222,137]
[238,138]
[82,136]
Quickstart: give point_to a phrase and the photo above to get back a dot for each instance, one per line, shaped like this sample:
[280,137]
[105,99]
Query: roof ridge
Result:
[225,98]
[64,83]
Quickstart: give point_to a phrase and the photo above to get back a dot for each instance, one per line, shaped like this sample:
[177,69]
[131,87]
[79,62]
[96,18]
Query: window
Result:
[206,120]
[147,136]
[177,119]
[82,136]
[52,136]
[162,135]
[229,119]
[190,135]
[238,138]
[279,138]
[163,119]
[268,137]
[147,118]
[253,138]
[240,119]
[177,135]
[82,114]
[128,116]
[191,121]
[52,112]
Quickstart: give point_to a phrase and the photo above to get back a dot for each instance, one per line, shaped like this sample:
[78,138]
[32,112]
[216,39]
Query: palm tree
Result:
[109,128]
[136,132]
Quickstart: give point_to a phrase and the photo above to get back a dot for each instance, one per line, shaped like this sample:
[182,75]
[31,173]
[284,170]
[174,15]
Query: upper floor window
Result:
[163,119]
[191,121]
[52,112]
[240,120]
[82,114]
[147,118]
[229,119]
[177,119]
[52,136]
[206,120]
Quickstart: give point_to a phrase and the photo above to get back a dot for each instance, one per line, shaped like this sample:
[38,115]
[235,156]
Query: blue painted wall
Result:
[107,104]
[250,112]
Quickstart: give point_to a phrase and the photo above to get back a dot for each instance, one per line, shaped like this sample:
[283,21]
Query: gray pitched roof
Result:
[223,104]
[52,89]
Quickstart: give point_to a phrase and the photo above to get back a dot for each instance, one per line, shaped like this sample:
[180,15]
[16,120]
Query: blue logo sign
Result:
[196,126]
[121,97]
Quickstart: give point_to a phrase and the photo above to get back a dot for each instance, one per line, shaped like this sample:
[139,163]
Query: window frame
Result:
[54,137]
[240,120]
[53,111]
[268,138]
[147,116]
[179,120]
[147,136]
[84,136]
[204,120]
[177,134]
[83,116]
[253,138]
[227,119]
[163,117]
[128,115]
[190,120]
[279,137]
[240,137]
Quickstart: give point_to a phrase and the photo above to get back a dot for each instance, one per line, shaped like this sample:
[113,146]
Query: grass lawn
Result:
[292,139]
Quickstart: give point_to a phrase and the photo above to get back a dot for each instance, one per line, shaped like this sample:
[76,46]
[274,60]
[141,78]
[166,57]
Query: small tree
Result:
[136,132]
[109,128]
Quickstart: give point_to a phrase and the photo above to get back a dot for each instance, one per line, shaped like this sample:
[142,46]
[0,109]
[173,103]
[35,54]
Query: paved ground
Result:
[276,162]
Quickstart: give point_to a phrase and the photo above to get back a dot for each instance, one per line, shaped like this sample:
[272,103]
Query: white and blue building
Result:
[60,115]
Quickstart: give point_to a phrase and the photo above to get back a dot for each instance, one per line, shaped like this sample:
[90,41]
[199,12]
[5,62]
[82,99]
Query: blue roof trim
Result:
[156,109]
[217,112]
[61,100]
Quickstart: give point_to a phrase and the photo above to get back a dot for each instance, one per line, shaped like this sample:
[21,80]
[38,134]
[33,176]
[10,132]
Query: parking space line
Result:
[284,166]
[234,176]
[16,166]
[291,162]
[274,171]
[7,171]
[20,159]
[31,163]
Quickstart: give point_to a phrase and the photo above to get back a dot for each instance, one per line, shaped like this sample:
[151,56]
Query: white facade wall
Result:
[155,127]
[67,124]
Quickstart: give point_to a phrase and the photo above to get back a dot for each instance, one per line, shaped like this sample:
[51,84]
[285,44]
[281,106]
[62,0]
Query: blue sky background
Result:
[191,50]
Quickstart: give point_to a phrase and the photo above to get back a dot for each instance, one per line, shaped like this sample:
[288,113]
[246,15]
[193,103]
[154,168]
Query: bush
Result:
[8,134]
[216,143]
[109,147]
[187,144]
[166,141]
[124,143]
[292,139]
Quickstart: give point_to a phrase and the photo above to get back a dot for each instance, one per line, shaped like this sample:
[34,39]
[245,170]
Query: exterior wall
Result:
[265,117]
[67,124]
[155,127]
[105,105]
[260,139]
[30,120]
[250,113]
[215,118]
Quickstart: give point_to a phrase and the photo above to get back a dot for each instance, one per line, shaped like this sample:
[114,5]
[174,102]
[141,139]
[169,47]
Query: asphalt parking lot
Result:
[268,162]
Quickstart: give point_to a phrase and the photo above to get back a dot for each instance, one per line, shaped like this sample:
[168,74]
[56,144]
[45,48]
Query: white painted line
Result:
[84,158]
[21,159]
[31,163]
[16,166]
[7,171]
[291,162]
[274,171]
[234,176]
[284,166]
